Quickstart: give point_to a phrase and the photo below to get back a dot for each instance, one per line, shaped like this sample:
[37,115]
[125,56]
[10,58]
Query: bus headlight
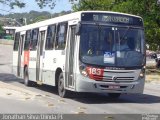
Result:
[83,70]
[142,73]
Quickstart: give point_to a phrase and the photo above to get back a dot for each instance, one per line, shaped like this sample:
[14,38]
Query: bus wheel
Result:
[61,90]
[26,78]
[114,95]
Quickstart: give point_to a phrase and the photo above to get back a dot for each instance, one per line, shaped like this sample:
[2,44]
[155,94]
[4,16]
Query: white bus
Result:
[87,51]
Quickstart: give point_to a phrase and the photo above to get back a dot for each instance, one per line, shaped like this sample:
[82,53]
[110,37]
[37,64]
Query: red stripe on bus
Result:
[26,57]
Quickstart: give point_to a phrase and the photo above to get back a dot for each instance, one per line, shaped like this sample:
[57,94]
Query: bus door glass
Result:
[15,53]
[70,58]
[33,47]
[20,49]
[39,65]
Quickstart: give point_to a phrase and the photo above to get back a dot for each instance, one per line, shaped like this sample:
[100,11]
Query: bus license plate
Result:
[114,87]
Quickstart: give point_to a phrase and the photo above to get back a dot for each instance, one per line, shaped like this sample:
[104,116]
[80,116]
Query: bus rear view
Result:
[111,54]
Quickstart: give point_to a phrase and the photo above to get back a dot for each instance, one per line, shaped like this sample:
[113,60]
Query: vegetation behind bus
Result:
[1,29]
[20,3]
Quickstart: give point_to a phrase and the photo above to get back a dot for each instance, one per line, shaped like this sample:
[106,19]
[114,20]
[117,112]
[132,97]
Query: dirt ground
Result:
[153,75]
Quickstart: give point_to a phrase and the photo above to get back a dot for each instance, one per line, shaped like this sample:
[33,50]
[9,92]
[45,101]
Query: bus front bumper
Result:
[84,84]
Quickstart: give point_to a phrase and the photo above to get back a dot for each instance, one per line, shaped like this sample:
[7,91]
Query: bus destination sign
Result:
[112,18]
[109,18]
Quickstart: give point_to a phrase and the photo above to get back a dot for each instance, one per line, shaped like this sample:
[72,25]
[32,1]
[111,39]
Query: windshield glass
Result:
[111,46]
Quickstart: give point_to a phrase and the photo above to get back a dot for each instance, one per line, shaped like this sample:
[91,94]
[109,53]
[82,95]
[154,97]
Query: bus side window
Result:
[16,42]
[34,39]
[50,37]
[27,40]
[61,36]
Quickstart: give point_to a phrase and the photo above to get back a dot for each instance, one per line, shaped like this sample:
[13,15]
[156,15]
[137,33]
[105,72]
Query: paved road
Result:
[17,98]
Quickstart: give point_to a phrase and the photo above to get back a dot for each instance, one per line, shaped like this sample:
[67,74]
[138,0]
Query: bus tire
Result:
[114,95]
[61,90]
[27,82]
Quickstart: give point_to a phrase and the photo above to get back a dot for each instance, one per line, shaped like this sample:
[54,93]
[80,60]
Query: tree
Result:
[1,31]
[39,18]
[147,9]
[21,4]
[93,5]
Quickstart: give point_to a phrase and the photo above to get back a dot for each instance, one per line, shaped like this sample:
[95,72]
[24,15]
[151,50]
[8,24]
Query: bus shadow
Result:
[89,98]
[6,77]
[1,64]
[129,98]
[10,78]
[94,98]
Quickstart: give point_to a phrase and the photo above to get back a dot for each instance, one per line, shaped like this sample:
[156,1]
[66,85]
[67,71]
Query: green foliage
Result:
[35,16]
[13,3]
[21,4]
[93,5]
[1,30]
[147,9]
[46,3]
[31,17]
[38,19]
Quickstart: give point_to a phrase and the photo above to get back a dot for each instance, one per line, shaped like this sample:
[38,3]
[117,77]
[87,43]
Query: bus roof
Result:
[111,13]
[8,27]
[68,17]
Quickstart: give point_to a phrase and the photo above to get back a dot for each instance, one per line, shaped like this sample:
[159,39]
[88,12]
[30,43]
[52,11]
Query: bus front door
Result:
[39,63]
[20,49]
[70,59]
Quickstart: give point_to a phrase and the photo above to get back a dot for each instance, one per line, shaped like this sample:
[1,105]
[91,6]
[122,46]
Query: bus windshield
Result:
[112,46]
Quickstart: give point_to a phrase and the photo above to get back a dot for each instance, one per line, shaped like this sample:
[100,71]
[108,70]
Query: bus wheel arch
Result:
[60,84]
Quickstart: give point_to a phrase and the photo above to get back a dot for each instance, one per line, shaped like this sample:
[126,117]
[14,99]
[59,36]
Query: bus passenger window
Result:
[27,40]
[61,36]
[34,39]
[50,37]
[16,42]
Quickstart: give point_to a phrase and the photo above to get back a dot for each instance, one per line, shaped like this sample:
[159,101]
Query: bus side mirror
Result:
[78,28]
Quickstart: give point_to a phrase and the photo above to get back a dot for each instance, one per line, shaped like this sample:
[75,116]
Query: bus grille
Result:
[117,76]
[118,79]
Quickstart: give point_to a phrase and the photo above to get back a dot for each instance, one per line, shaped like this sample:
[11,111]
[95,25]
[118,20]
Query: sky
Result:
[32,5]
